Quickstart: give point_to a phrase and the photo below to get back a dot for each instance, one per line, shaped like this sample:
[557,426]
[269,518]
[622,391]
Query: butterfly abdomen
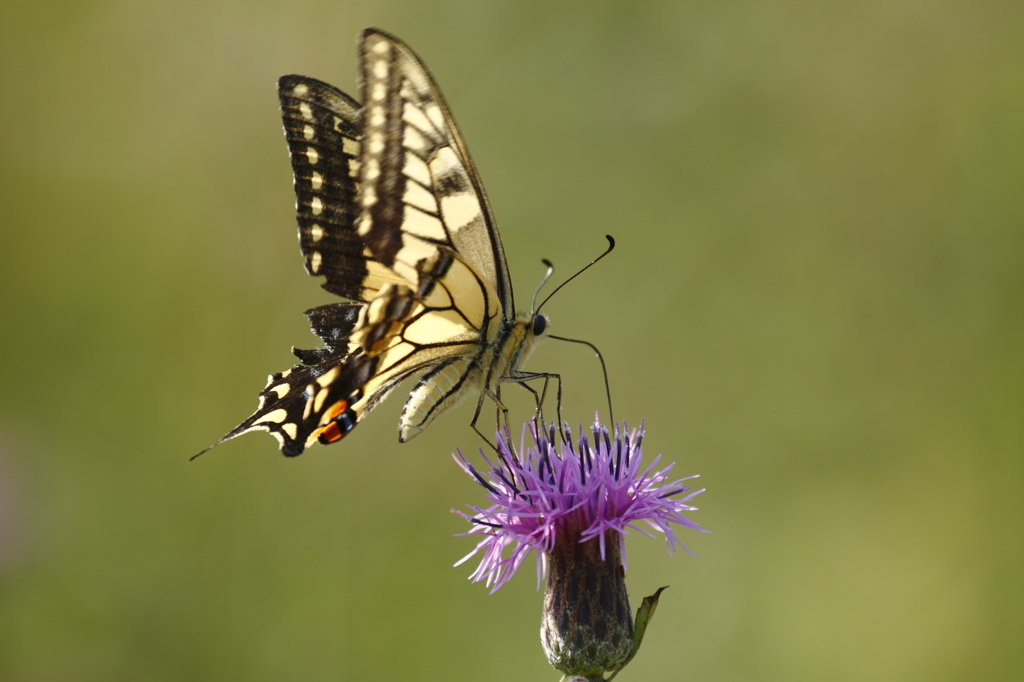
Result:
[439,389]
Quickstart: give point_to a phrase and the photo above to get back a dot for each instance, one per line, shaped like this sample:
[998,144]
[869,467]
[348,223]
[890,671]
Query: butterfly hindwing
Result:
[284,400]
[404,332]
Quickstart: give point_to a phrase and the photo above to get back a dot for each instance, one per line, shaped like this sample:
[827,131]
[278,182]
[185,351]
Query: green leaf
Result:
[643,619]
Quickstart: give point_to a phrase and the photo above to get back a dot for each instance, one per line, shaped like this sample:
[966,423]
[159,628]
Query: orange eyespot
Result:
[330,434]
[334,410]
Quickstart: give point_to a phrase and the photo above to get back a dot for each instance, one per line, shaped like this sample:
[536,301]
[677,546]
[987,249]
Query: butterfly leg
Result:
[499,409]
[558,401]
[500,412]
[522,377]
[538,414]
[558,404]
[537,398]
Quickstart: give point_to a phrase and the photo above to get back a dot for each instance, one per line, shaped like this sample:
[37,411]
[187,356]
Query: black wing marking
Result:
[322,127]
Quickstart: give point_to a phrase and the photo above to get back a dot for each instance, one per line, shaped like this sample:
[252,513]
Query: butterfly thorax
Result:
[513,344]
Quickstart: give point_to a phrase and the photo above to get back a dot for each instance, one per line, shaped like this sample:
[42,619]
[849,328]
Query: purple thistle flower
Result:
[596,490]
[574,504]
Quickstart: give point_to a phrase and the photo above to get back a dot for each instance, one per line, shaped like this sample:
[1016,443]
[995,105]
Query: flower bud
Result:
[587,626]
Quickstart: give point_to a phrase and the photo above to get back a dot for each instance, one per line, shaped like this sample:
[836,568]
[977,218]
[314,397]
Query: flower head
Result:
[578,491]
[573,504]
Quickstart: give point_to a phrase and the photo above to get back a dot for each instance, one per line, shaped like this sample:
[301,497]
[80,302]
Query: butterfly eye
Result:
[540,324]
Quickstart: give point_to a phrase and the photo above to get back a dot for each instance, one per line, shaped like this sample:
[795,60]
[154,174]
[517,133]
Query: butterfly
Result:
[393,215]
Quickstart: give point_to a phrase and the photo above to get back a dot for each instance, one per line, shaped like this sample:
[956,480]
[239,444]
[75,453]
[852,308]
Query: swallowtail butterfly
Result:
[392,213]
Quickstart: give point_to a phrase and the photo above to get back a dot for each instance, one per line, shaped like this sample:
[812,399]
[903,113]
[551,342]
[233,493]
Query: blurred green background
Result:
[816,303]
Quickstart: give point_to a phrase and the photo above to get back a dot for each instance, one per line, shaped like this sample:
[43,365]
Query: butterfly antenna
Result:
[547,276]
[611,245]
[604,370]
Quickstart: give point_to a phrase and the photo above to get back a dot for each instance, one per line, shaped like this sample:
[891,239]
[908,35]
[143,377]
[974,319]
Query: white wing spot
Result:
[378,92]
[422,224]
[291,429]
[317,180]
[419,197]
[312,155]
[277,416]
[433,112]
[281,390]
[300,89]
[306,111]
[376,143]
[349,146]
[314,262]
[364,224]
[308,132]
[459,210]
[380,46]
[369,196]
[413,140]
[329,376]
[372,170]
[316,232]
[416,169]
[414,116]
[317,206]
[414,249]
[319,399]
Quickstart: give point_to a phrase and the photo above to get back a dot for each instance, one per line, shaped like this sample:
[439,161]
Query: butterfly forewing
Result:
[322,127]
[419,188]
